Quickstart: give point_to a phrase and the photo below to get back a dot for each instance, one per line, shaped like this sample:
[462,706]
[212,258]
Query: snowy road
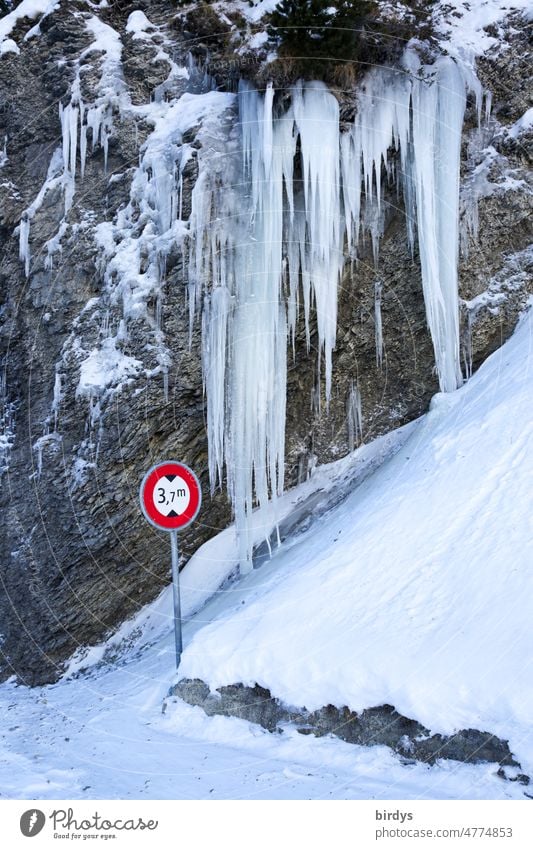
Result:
[105,736]
[101,733]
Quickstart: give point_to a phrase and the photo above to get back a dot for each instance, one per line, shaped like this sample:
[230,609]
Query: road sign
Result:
[171,498]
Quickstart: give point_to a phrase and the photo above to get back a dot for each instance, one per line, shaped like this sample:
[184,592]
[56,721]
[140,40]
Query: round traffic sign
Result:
[170,496]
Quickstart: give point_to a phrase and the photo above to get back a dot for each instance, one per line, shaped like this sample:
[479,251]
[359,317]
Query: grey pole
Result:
[176,589]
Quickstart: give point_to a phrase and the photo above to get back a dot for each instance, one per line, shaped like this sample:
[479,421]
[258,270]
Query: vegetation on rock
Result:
[338,40]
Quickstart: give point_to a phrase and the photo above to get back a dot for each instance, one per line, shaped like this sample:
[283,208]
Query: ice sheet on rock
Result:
[54,178]
[7,424]
[511,279]
[75,119]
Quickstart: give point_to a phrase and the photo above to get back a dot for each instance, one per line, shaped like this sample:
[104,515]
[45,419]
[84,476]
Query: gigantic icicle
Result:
[263,238]
[437,121]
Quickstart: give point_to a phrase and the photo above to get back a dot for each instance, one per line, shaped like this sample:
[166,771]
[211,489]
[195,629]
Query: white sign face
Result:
[171,495]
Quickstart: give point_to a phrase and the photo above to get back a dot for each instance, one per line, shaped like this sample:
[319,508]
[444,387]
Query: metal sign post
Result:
[176,593]
[171,498]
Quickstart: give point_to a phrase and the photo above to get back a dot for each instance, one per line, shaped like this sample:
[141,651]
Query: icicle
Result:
[316,114]
[378,323]
[56,402]
[261,236]
[24,242]
[488,106]
[83,141]
[467,344]
[438,111]
[354,416]
[214,341]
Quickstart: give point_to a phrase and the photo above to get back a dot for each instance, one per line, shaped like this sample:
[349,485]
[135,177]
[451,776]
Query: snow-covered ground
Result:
[414,590]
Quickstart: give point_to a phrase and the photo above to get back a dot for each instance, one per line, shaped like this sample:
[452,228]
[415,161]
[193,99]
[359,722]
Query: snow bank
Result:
[415,591]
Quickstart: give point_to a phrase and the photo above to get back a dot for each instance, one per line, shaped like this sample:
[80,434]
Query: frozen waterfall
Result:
[273,239]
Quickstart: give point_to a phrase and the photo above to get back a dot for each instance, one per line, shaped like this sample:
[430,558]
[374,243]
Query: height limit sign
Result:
[170,498]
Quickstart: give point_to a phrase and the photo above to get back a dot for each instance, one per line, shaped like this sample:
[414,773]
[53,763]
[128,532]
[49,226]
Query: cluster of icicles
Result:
[270,230]
[270,242]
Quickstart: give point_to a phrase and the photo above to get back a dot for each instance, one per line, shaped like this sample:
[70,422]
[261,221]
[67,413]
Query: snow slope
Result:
[415,590]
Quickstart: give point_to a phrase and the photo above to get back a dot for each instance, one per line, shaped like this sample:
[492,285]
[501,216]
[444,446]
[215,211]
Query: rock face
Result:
[76,557]
[377,726]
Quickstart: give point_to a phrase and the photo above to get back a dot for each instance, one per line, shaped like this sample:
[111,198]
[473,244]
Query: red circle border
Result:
[149,483]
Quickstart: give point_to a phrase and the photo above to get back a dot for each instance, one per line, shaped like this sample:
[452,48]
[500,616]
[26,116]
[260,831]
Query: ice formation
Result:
[76,118]
[7,424]
[354,416]
[277,236]
[275,214]
[378,322]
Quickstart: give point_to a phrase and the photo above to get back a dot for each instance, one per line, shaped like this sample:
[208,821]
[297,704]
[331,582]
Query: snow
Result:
[253,11]
[354,610]
[106,366]
[416,590]
[105,738]
[138,24]
[258,40]
[461,24]
[9,46]
[26,9]
[522,125]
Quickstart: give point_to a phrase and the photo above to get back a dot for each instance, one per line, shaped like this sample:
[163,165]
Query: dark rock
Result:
[376,726]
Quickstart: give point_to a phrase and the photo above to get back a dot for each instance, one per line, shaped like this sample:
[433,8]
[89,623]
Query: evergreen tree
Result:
[321,28]
[300,24]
